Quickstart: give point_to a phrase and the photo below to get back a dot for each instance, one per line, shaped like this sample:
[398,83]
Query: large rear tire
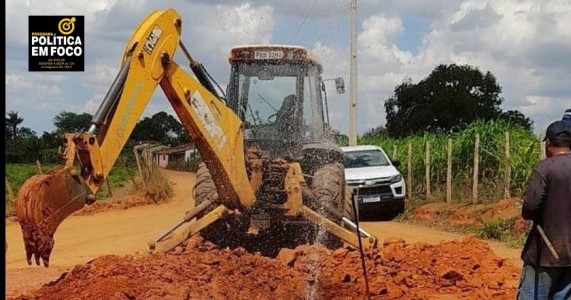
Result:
[204,189]
[328,187]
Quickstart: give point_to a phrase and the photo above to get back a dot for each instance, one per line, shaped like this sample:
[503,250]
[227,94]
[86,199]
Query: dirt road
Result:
[83,238]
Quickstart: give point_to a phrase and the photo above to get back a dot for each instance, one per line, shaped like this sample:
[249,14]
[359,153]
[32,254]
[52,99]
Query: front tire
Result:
[228,231]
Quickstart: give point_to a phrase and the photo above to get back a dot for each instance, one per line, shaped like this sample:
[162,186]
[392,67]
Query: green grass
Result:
[500,230]
[524,154]
[495,229]
[17,174]
[117,177]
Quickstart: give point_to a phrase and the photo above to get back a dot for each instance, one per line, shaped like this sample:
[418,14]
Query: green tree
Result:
[25,148]
[71,122]
[375,132]
[50,140]
[12,123]
[451,97]
[26,133]
[517,118]
[160,128]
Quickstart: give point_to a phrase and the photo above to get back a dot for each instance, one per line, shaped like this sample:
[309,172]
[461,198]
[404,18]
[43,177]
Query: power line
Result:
[303,21]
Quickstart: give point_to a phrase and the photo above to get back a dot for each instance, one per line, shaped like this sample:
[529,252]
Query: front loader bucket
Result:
[43,202]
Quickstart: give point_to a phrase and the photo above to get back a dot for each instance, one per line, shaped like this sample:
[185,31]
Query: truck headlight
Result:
[396,178]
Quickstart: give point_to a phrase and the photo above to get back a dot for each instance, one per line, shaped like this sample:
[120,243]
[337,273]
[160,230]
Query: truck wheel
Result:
[328,187]
[224,232]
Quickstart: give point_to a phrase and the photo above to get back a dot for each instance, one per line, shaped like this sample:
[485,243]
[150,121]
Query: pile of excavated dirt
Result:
[468,214]
[463,269]
[152,194]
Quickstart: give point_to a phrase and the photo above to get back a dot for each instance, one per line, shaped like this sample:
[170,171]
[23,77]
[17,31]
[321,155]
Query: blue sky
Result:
[525,43]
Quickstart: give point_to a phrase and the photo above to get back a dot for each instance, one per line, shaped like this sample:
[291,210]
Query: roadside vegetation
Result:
[17,174]
[25,148]
[502,230]
[524,154]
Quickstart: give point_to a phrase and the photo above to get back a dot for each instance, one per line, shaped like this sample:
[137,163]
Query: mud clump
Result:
[462,269]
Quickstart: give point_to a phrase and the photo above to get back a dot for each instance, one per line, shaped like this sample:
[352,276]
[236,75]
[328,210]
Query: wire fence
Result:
[485,162]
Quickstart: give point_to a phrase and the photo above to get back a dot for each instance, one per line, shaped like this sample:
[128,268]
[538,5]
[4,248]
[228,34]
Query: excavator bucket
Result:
[43,202]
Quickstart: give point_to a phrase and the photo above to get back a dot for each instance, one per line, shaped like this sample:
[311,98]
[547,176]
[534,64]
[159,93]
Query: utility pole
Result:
[353,77]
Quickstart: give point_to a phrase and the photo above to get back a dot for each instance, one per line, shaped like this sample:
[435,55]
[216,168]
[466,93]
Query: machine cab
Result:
[276,92]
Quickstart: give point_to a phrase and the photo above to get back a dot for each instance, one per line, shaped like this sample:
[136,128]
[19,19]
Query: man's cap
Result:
[567,117]
[558,131]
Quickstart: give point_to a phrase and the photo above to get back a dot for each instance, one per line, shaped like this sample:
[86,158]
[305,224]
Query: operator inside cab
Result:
[285,116]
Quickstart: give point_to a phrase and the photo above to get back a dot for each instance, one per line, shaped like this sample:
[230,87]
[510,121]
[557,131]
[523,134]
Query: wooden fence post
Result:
[394,152]
[135,151]
[39,165]
[409,166]
[508,167]
[109,192]
[427,165]
[476,171]
[449,173]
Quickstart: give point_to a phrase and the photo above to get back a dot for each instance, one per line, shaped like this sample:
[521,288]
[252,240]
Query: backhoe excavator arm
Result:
[147,62]
[214,128]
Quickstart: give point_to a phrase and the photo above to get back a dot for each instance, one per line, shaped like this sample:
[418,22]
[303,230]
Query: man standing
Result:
[546,255]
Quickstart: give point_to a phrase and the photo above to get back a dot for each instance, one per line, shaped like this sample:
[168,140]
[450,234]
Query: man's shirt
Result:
[547,201]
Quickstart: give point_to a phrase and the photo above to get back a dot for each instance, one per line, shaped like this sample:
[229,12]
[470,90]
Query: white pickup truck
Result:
[375,180]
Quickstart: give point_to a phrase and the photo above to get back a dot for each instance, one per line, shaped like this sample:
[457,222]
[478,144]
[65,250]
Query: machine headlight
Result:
[396,178]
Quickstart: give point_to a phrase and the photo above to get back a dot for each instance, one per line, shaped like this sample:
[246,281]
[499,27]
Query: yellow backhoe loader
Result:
[269,163]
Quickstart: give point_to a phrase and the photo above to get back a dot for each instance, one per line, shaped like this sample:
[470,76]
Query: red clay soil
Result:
[147,195]
[468,214]
[463,269]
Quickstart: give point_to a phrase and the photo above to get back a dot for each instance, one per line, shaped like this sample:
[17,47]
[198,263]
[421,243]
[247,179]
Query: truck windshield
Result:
[365,158]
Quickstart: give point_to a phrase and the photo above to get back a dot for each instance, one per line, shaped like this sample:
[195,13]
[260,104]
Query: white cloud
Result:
[35,98]
[248,24]
[525,43]
[17,19]
[100,76]
[208,31]
[219,29]
[336,64]
[32,92]
[93,103]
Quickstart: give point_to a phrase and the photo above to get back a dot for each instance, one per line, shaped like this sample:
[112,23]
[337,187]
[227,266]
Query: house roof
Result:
[177,149]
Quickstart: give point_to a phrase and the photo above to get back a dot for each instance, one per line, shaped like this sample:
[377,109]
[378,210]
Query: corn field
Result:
[524,150]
